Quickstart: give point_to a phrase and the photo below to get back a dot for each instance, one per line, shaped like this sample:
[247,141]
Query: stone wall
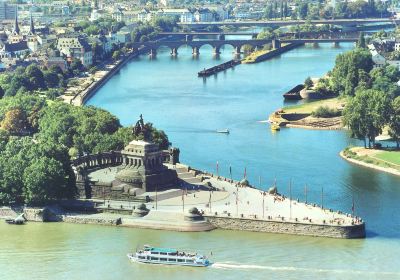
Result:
[7,212]
[355,231]
[31,214]
[78,219]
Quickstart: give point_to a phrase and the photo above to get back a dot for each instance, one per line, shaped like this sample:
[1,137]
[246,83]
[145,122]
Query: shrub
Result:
[326,112]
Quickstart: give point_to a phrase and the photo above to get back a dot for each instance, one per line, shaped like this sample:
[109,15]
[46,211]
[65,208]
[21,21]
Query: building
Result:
[15,35]
[184,15]
[204,15]
[144,15]
[16,50]
[397,45]
[57,61]
[7,10]
[75,46]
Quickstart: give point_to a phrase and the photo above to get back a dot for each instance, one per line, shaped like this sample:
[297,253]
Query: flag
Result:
[182,194]
[352,206]
[217,168]
[230,171]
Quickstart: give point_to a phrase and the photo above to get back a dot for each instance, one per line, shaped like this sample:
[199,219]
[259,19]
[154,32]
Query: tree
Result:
[51,78]
[35,78]
[15,122]
[394,121]
[366,114]
[308,83]
[361,41]
[42,180]
[116,55]
[345,74]
[302,10]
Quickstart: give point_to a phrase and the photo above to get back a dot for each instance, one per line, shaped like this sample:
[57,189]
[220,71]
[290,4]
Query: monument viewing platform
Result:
[143,185]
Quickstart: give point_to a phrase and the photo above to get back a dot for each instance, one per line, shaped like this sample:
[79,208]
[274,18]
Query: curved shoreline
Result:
[369,165]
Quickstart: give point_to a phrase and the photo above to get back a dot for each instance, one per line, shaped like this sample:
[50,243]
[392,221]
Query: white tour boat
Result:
[154,255]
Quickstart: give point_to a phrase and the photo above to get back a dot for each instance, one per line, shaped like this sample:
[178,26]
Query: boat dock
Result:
[221,67]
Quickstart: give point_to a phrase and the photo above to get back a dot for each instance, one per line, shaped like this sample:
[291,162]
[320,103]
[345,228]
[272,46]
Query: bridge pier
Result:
[315,45]
[336,44]
[189,38]
[216,51]
[237,50]
[196,51]
[153,53]
[221,37]
[174,52]
[276,44]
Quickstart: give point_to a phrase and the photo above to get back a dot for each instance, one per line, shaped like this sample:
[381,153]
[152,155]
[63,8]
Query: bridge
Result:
[153,46]
[342,22]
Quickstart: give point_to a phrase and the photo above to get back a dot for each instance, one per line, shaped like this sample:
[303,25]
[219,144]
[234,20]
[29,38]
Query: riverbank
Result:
[78,94]
[301,116]
[382,160]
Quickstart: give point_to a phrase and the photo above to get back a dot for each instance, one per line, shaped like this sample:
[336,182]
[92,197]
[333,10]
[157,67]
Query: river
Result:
[169,94]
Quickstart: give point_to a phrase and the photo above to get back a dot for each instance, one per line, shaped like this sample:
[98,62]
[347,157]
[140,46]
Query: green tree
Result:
[394,121]
[361,41]
[366,114]
[35,78]
[308,83]
[345,74]
[42,180]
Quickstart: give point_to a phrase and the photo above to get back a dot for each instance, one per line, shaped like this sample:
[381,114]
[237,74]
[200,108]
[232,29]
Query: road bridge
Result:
[153,46]
[264,23]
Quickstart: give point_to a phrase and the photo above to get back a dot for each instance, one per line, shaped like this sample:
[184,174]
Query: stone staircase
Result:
[187,177]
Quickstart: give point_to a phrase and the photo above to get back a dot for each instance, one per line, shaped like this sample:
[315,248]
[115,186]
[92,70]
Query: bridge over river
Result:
[153,46]
[265,23]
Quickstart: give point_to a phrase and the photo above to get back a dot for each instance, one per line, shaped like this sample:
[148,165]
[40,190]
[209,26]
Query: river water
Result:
[168,93]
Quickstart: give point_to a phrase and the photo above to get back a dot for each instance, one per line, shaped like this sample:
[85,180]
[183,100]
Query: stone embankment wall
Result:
[77,219]
[354,231]
[30,214]
[89,92]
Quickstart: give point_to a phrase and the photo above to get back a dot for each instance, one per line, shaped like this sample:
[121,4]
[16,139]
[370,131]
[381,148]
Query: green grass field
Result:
[389,156]
[309,107]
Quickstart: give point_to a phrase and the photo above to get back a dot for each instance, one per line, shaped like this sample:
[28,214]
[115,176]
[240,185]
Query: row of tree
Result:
[320,10]
[149,30]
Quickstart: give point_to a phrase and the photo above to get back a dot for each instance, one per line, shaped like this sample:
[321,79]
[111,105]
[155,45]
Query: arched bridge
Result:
[153,46]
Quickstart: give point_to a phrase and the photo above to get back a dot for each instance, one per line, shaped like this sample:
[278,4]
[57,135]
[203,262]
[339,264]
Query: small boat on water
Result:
[20,220]
[226,131]
[155,255]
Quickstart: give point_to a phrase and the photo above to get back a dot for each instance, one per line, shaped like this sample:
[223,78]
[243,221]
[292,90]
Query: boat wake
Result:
[230,266]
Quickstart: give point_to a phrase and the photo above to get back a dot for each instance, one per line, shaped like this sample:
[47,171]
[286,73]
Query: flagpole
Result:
[263,204]
[156,198]
[352,206]
[237,200]
[322,197]
[209,201]
[183,200]
[305,191]
[290,199]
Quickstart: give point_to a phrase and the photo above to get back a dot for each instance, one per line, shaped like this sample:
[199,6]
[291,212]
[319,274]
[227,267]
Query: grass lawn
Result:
[309,107]
[389,156]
